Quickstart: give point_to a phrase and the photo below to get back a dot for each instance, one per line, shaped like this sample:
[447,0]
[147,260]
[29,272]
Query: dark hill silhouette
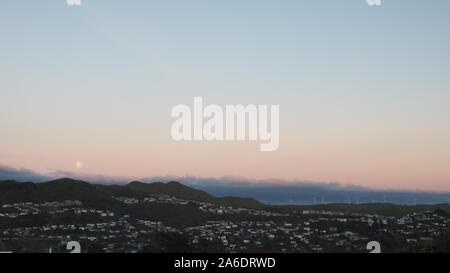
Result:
[181,191]
[174,189]
[101,196]
[56,190]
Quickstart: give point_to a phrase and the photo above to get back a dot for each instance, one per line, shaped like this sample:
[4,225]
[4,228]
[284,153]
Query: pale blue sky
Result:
[109,71]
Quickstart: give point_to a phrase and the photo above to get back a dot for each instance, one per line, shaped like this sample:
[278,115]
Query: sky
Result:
[363,90]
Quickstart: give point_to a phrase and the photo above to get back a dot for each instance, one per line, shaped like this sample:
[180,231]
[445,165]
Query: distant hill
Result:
[173,188]
[102,195]
[57,190]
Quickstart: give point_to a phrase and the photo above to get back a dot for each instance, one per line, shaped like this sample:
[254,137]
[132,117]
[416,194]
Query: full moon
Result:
[79,164]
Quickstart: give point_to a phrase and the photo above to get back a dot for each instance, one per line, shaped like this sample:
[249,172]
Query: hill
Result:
[56,190]
[101,196]
[173,188]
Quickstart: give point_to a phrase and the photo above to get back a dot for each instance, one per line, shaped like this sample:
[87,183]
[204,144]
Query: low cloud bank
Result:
[233,181]
[281,191]
[21,174]
[27,175]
